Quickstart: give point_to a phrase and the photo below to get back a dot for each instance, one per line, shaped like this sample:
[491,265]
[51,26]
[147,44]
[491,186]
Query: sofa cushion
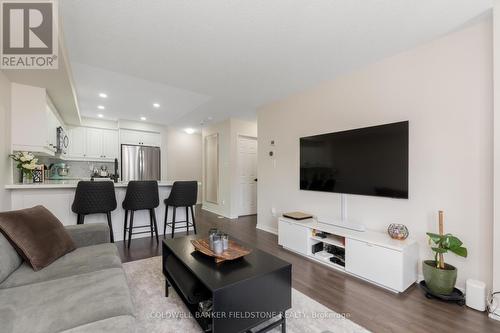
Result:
[82,260]
[10,260]
[66,303]
[38,236]
[121,324]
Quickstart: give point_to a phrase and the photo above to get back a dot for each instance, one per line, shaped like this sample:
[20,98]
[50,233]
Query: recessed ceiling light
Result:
[103,95]
[100,107]
[189,130]
[156,105]
[143,118]
[100,115]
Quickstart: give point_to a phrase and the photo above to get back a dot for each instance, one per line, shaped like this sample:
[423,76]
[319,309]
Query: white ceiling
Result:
[225,58]
[130,97]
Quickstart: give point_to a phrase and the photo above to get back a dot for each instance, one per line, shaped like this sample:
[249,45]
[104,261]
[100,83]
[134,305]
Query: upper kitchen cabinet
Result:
[92,144]
[140,138]
[110,144]
[76,137]
[34,122]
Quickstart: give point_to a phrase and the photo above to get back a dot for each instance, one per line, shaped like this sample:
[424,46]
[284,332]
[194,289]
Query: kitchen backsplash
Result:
[77,169]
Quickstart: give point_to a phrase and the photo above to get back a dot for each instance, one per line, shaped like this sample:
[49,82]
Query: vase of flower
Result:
[26,163]
[28,177]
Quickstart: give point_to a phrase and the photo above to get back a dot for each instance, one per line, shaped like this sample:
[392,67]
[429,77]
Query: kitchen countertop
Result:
[71,184]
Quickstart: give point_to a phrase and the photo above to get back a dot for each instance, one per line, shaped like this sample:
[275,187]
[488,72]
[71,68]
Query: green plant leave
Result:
[454,242]
[439,249]
[434,237]
[460,251]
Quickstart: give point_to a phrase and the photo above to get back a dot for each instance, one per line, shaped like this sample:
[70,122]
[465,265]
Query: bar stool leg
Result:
[110,224]
[187,221]
[192,217]
[125,226]
[130,228]
[165,222]
[153,214]
[151,228]
[173,221]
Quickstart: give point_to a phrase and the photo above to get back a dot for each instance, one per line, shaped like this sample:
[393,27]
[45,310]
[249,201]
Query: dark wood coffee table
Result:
[244,293]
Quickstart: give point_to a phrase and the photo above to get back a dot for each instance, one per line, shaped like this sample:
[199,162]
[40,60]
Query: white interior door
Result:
[247,174]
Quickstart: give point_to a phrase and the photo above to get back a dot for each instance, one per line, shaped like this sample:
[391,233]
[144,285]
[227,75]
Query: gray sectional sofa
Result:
[84,291]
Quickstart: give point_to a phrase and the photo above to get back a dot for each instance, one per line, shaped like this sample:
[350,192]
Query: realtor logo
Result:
[29,34]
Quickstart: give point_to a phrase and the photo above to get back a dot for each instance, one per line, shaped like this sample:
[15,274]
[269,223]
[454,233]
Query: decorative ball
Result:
[398,231]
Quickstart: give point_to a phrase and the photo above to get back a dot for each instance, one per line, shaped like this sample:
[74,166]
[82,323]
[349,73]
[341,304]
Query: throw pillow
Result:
[38,236]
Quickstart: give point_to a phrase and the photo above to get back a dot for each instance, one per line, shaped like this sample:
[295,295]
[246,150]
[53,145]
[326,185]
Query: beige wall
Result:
[444,89]
[5,163]
[183,155]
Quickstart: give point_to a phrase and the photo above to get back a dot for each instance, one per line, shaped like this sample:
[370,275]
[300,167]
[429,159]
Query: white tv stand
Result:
[372,256]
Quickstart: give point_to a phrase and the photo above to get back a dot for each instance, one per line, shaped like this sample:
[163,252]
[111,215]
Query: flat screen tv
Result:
[366,161]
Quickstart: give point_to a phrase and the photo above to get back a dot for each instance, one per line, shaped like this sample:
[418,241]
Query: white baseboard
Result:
[212,211]
[267,228]
[495,315]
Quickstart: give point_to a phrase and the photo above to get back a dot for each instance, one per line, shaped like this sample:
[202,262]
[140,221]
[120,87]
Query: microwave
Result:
[62,141]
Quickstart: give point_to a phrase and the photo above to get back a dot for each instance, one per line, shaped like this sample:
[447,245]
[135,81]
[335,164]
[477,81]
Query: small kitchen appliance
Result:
[62,141]
[59,171]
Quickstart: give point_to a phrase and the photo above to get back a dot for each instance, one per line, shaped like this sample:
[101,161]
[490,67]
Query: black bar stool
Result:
[183,194]
[141,195]
[95,198]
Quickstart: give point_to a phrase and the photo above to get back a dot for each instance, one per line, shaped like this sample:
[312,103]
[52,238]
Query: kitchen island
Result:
[58,195]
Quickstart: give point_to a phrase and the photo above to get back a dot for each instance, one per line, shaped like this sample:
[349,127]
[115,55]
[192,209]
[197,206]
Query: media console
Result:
[372,256]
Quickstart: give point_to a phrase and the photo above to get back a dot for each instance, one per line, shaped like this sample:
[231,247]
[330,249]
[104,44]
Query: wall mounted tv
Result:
[367,161]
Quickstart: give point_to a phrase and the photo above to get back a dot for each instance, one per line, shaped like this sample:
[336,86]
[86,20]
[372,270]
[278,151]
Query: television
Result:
[366,161]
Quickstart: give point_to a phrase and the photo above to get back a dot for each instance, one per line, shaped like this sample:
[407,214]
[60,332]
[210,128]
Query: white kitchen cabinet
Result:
[33,123]
[76,137]
[151,139]
[293,236]
[140,138]
[93,143]
[109,144]
[52,125]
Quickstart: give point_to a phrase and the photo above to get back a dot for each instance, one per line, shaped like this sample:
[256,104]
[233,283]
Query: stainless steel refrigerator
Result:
[140,163]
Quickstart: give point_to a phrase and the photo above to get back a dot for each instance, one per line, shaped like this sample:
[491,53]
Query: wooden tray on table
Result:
[234,251]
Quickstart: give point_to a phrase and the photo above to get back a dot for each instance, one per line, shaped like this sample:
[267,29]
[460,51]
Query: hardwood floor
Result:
[372,307]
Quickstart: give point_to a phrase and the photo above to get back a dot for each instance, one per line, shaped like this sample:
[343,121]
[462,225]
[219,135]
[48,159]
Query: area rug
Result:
[157,313]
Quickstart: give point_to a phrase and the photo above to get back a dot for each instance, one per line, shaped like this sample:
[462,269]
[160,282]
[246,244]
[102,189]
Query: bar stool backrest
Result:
[141,194]
[94,197]
[183,194]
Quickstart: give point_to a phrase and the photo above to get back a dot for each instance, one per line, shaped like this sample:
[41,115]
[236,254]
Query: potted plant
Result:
[26,163]
[439,276]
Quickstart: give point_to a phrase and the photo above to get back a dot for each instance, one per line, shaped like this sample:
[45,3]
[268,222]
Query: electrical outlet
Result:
[273,211]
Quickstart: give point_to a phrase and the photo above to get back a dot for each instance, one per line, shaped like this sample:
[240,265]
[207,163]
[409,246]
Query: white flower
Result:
[29,166]
[28,156]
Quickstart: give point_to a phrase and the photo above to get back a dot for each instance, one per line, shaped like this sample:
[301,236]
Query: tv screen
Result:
[367,161]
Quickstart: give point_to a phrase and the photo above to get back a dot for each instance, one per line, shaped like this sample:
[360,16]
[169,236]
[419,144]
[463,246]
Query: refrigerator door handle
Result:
[141,164]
